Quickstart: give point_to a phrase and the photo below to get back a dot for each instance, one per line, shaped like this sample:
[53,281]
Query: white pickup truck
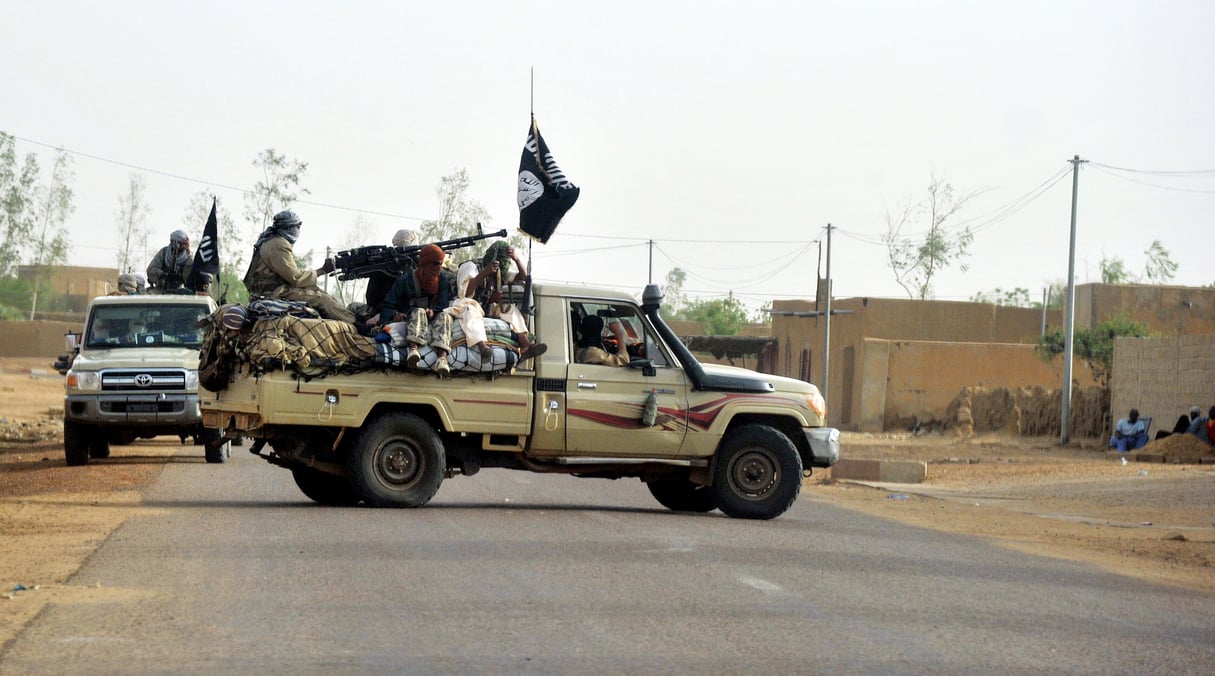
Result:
[714,437]
[134,374]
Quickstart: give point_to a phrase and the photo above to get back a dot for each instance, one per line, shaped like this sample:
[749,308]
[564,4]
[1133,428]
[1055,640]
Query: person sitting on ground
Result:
[1210,426]
[1198,426]
[1182,424]
[273,273]
[420,298]
[593,350]
[1130,433]
[483,282]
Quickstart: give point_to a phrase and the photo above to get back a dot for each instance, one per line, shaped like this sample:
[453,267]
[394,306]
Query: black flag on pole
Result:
[206,257]
[545,194]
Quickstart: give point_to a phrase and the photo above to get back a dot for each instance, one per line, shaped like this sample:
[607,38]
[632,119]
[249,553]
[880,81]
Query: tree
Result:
[1160,267]
[17,192]
[280,187]
[459,214]
[132,223]
[916,261]
[1113,271]
[717,317]
[1095,346]
[50,237]
[673,297]
[1018,297]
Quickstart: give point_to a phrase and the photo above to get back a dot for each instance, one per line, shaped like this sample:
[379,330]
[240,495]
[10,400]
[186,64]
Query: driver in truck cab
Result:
[591,346]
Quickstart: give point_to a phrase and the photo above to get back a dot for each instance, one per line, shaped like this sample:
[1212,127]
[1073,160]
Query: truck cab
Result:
[134,374]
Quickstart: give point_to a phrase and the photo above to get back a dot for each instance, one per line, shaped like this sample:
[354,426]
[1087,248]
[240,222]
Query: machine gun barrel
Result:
[394,260]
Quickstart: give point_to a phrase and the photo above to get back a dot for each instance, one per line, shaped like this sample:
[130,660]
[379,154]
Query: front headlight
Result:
[85,381]
[816,403]
[191,380]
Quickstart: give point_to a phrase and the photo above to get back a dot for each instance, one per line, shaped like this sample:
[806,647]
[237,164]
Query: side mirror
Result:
[71,342]
[646,366]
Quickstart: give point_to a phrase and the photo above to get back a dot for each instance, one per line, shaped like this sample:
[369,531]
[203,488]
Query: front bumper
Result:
[824,446]
[134,411]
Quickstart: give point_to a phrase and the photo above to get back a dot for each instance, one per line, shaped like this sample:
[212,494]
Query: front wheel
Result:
[398,461]
[75,443]
[758,473]
[324,488]
[681,495]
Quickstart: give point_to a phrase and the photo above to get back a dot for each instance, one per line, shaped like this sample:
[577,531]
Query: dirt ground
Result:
[1149,520]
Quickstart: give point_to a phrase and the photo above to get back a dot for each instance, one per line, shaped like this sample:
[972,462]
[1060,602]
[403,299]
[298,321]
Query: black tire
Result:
[397,461]
[324,488]
[75,443]
[681,495]
[99,444]
[213,450]
[758,473]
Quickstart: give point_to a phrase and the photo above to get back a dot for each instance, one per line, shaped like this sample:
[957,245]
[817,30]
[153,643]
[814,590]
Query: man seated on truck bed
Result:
[482,281]
[419,298]
[274,274]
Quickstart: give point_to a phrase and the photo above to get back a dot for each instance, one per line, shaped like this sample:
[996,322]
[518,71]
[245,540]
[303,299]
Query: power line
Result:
[209,184]
[1103,170]
[1196,172]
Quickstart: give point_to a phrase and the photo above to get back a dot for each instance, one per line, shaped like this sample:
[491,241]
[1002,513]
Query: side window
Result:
[593,327]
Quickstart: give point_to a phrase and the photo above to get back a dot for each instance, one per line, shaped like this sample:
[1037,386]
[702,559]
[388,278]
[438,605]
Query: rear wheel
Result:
[758,473]
[681,495]
[75,443]
[398,461]
[324,488]
[215,449]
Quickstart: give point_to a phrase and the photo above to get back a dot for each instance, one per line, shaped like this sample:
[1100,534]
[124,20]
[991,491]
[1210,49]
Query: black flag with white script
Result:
[206,257]
[545,194]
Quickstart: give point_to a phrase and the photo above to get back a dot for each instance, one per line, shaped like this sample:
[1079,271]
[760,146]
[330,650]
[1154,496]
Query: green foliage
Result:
[916,259]
[18,193]
[54,204]
[1113,271]
[229,288]
[718,317]
[1160,267]
[459,214]
[15,293]
[280,187]
[1095,346]
[1018,297]
[674,299]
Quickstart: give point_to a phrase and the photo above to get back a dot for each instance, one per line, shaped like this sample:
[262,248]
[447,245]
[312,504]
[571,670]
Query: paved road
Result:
[232,570]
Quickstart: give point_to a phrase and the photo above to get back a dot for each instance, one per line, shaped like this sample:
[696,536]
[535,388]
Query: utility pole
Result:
[1069,312]
[827,321]
[651,278]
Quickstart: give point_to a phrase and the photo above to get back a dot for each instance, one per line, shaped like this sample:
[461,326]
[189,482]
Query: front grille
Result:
[147,380]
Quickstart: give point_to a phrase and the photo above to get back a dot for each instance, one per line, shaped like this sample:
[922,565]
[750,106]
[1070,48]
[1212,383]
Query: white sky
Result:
[729,133]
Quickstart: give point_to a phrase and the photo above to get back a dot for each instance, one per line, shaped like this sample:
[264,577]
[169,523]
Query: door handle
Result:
[588,386]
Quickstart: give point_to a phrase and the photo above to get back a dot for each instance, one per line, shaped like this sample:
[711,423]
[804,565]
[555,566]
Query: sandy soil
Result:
[1154,521]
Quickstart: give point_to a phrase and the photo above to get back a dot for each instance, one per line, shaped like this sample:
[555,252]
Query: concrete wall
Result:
[34,339]
[1167,310]
[1162,377]
[905,380]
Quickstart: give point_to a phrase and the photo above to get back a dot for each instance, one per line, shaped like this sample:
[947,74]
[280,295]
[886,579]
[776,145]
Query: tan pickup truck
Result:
[700,436]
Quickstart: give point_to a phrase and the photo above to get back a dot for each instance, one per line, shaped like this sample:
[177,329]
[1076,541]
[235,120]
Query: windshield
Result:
[146,326]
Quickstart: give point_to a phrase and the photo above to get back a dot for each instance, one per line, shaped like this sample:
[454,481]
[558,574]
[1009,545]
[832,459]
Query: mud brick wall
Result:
[1162,377]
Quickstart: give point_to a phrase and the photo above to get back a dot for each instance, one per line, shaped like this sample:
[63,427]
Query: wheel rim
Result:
[754,474]
[399,463]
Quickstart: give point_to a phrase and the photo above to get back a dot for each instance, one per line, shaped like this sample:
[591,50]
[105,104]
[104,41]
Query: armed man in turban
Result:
[420,298]
[274,274]
[170,266]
